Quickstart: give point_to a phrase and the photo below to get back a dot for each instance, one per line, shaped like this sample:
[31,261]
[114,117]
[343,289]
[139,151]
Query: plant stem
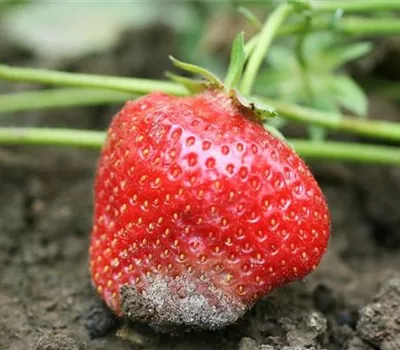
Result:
[370,128]
[265,38]
[133,85]
[51,137]
[80,97]
[371,26]
[299,28]
[350,26]
[347,152]
[64,97]
[329,150]
[355,6]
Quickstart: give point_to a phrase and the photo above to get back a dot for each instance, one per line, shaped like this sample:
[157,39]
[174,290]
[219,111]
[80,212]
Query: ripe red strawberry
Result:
[199,212]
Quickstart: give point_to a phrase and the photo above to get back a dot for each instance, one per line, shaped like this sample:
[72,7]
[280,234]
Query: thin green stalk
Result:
[347,152]
[299,28]
[266,36]
[329,150]
[370,128]
[349,25]
[51,137]
[354,6]
[353,26]
[63,97]
[371,26]
[134,85]
[80,97]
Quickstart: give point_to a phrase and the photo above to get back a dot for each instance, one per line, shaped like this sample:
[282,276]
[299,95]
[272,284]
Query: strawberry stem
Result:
[347,151]
[44,76]
[341,151]
[372,26]
[266,36]
[352,26]
[57,98]
[66,97]
[52,137]
[354,6]
[370,128]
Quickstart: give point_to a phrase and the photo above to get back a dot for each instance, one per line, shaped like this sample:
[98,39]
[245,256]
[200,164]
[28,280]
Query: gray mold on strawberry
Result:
[185,309]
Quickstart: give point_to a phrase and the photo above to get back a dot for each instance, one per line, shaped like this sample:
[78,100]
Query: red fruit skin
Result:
[199,212]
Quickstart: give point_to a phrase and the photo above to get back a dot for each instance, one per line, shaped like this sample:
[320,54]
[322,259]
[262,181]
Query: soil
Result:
[351,302]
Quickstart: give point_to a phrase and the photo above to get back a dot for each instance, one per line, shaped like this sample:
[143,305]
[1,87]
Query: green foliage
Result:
[315,80]
[237,61]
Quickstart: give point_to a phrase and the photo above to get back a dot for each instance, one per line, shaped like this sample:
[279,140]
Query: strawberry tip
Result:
[187,309]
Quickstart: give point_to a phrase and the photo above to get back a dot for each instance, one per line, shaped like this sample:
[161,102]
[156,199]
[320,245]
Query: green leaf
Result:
[323,96]
[317,85]
[282,79]
[318,45]
[238,59]
[350,95]
[250,16]
[210,77]
[339,56]
[281,57]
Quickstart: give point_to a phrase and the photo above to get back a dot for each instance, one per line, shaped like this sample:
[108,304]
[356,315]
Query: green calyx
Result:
[230,84]
[235,70]
[210,79]
[245,62]
[237,62]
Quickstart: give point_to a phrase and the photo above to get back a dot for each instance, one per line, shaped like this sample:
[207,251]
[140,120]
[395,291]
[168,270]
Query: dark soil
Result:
[351,302]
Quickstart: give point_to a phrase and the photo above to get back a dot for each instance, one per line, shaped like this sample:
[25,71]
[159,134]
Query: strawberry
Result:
[199,212]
